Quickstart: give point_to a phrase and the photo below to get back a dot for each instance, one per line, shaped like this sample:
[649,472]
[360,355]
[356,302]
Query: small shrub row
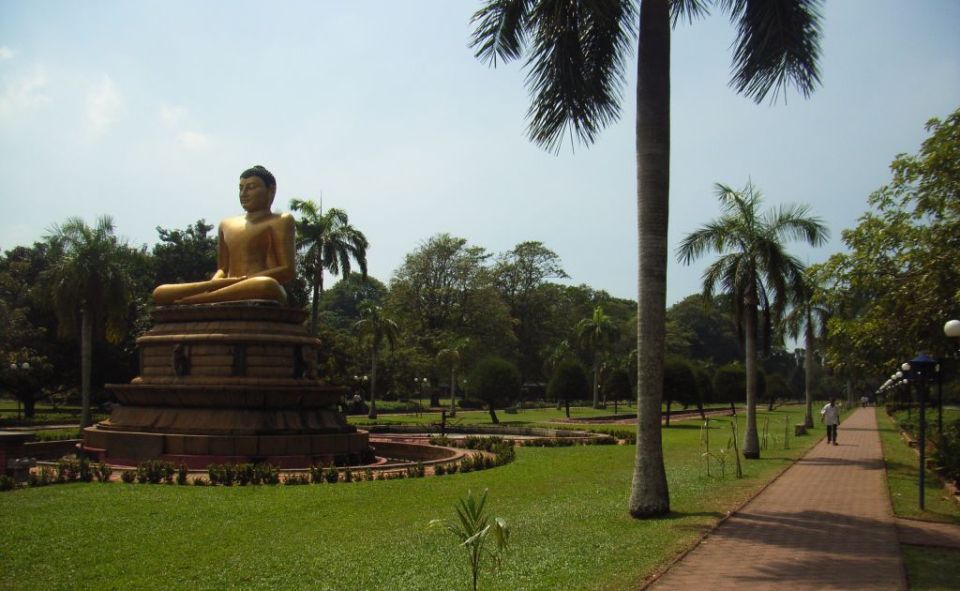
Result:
[155,471]
[56,434]
[73,470]
[242,474]
[6,483]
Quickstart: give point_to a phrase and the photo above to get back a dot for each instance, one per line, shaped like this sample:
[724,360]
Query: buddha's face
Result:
[255,195]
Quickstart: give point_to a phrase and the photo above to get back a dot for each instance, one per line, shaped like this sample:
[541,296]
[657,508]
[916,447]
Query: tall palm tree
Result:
[809,317]
[755,269]
[88,279]
[376,327]
[576,54]
[451,356]
[595,334]
[327,241]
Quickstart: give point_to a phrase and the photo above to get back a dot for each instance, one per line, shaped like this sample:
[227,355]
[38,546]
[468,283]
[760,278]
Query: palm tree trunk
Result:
[648,491]
[596,385]
[315,301]
[808,376]
[86,364]
[453,391]
[373,385]
[751,439]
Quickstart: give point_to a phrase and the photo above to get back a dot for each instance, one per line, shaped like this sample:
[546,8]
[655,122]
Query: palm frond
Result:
[778,44]
[501,30]
[576,68]
[689,10]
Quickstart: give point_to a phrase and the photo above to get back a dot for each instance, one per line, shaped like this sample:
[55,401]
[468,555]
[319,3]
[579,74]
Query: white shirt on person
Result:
[831,414]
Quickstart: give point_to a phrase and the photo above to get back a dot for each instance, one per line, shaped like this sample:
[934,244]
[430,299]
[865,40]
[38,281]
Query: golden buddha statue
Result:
[255,251]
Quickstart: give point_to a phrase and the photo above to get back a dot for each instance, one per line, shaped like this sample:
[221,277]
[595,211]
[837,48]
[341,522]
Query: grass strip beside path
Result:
[566,508]
[902,478]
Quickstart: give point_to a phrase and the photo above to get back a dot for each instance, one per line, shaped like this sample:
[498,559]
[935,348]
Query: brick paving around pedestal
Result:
[826,523]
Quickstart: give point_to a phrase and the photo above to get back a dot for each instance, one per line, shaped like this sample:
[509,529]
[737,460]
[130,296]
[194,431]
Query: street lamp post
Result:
[18,368]
[920,370]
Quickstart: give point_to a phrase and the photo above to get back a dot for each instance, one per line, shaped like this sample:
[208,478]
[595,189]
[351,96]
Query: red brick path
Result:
[826,523]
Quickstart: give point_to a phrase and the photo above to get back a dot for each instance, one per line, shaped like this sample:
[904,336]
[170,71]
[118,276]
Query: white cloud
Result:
[194,140]
[171,115]
[104,105]
[24,92]
[5,53]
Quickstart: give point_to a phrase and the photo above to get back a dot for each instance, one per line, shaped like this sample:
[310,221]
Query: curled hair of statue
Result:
[261,173]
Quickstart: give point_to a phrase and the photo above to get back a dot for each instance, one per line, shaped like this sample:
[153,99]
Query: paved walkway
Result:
[826,523]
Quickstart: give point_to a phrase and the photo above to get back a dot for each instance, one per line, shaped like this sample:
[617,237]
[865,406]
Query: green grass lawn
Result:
[566,508]
[931,569]
[902,478]
[928,569]
[45,414]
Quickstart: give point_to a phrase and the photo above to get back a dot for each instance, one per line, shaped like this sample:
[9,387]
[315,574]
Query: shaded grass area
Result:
[902,478]
[566,507]
[931,569]
[45,414]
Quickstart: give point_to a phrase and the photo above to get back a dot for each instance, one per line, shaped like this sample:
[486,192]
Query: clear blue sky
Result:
[149,110]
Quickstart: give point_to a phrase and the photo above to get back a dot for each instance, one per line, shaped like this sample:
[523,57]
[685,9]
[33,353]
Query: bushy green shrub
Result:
[41,477]
[155,471]
[102,472]
[331,475]
[67,470]
[947,454]
[569,382]
[128,476]
[6,483]
[222,474]
[317,474]
[182,474]
[496,381]
[296,479]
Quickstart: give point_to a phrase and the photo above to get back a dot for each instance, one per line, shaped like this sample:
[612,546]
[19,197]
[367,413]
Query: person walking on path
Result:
[830,414]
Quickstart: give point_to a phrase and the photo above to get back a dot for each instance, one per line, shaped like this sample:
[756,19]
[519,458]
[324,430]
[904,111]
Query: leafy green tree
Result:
[23,369]
[809,318]
[617,386]
[577,52]
[569,382]
[596,334]
[899,264]
[185,255]
[444,290]
[755,269]
[730,384]
[703,329]
[520,276]
[340,305]
[377,328]
[496,381]
[680,385]
[88,279]
[326,241]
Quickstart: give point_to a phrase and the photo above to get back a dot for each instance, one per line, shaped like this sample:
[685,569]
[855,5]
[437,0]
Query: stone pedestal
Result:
[233,382]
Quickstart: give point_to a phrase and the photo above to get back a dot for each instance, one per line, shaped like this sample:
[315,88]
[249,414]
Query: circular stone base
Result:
[198,451]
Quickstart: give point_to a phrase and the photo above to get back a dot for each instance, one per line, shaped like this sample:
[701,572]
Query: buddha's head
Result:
[258,187]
